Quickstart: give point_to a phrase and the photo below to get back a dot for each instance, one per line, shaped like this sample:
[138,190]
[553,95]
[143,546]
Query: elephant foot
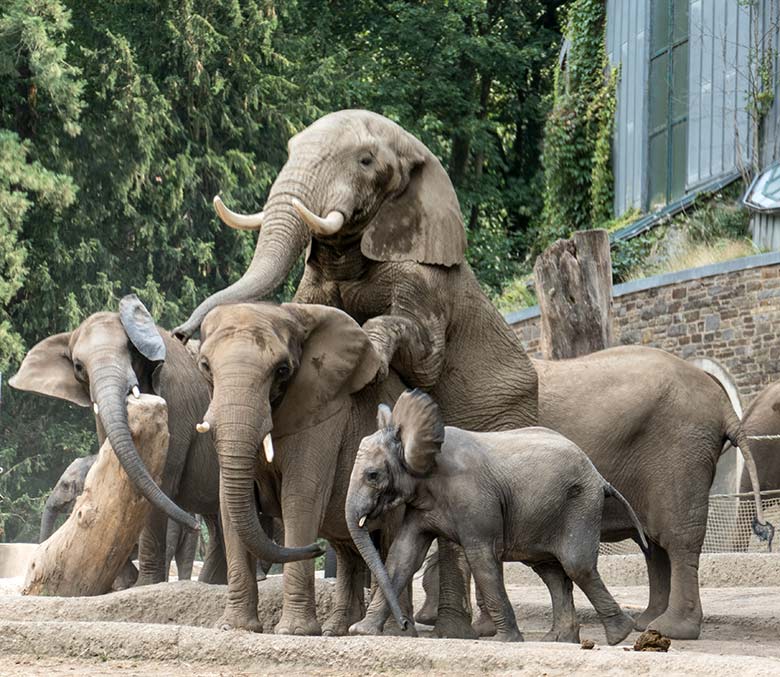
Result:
[298,625]
[569,635]
[455,627]
[675,626]
[646,617]
[146,579]
[484,626]
[509,636]
[618,627]
[231,620]
[365,627]
[428,613]
[392,629]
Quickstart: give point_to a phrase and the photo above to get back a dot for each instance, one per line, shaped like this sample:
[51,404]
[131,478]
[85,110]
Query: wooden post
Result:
[84,556]
[574,287]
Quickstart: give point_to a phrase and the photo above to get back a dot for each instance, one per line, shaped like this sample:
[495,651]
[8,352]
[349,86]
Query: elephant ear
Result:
[140,328]
[423,222]
[420,428]
[47,369]
[337,359]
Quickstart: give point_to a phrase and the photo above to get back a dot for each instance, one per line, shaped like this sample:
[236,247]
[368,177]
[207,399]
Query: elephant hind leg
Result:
[349,604]
[565,627]
[214,569]
[659,576]
[683,617]
[454,617]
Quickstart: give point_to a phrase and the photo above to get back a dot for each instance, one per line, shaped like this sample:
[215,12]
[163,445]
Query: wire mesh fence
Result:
[728,526]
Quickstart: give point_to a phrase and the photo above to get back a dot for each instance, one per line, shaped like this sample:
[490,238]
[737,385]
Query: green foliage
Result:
[120,121]
[578,181]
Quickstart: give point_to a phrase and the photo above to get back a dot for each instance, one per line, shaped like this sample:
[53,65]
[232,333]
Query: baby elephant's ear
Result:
[384,417]
[421,429]
[140,328]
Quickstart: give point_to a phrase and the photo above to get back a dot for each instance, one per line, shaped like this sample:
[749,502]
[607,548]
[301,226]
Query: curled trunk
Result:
[371,557]
[110,392]
[237,478]
[48,521]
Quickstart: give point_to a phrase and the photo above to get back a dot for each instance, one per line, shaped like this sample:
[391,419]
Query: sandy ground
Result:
[166,630]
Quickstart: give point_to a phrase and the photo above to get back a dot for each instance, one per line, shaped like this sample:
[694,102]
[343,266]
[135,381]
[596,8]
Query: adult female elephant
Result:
[761,422]
[389,250]
[108,356]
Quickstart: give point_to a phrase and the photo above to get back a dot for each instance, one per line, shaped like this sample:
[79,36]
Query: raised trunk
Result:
[237,477]
[110,392]
[281,241]
[371,557]
[47,522]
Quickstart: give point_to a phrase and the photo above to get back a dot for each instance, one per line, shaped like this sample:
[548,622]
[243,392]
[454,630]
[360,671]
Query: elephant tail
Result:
[738,437]
[610,491]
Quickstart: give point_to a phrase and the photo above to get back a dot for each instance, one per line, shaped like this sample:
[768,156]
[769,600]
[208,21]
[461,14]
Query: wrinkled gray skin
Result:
[525,495]
[181,543]
[397,265]
[302,374]
[101,362]
[762,417]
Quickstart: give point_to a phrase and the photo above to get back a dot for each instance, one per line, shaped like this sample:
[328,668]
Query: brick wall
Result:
[728,312]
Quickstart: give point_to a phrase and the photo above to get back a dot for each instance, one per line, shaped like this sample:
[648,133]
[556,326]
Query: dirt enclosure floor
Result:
[166,630]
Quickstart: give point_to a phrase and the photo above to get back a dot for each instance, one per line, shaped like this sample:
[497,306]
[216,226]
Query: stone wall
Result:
[727,312]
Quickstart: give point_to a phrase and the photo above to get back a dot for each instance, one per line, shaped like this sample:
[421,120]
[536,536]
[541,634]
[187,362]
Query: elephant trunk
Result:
[110,386]
[368,552]
[237,491]
[48,520]
[281,241]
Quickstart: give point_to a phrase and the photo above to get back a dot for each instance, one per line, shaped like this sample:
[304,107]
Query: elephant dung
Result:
[85,555]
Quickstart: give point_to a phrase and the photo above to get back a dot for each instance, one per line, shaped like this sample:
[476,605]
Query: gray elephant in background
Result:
[761,422]
[107,357]
[528,495]
[181,544]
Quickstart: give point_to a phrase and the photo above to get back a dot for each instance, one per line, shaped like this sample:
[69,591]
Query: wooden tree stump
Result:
[84,556]
[574,286]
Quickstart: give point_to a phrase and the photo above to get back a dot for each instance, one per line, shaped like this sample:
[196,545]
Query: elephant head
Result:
[388,465]
[98,364]
[351,177]
[63,497]
[275,370]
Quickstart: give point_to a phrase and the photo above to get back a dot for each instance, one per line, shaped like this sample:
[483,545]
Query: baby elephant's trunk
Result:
[609,490]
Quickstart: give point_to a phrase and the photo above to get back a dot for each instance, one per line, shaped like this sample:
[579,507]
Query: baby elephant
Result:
[527,495]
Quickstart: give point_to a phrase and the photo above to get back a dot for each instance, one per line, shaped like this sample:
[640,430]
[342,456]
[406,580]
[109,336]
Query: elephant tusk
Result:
[203,427]
[362,521]
[136,393]
[95,408]
[268,447]
[235,220]
[331,224]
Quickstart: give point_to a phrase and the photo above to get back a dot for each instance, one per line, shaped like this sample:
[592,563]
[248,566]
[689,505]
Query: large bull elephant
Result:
[389,249]
[294,393]
[98,364]
[386,244]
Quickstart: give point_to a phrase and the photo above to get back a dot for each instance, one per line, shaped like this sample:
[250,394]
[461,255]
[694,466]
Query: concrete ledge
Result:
[15,557]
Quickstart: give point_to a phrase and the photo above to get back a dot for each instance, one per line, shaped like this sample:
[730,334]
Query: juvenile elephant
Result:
[304,374]
[108,356]
[386,243]
[525,495]
[761,422]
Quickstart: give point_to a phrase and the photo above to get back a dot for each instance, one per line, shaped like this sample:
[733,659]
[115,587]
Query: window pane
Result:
[659,92]
[659,30]
[679,155]
[680,81]
[680,30]
[658,170]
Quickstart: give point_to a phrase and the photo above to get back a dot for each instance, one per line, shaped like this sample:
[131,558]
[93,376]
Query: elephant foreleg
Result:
[241,609]
[214,569]
[454,618]
[151,549]
[185,554]
[349,603]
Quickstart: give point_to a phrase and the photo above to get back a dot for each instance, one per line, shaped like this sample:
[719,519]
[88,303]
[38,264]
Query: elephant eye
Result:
[204,366]
[80,371]
[366,160]
[372,475]
[283,372]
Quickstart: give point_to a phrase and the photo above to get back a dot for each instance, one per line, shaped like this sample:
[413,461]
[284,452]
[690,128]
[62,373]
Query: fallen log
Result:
[85,555]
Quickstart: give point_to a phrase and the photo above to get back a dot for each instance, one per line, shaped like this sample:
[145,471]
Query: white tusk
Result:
[328,226]
[136,393]
[362,521]
[203,427]
[235,220]
[95,408]
[268,447]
